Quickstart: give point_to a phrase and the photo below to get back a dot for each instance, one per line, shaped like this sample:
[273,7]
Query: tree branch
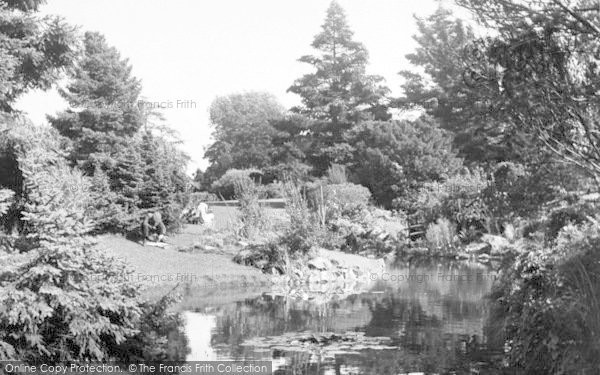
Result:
[578,17]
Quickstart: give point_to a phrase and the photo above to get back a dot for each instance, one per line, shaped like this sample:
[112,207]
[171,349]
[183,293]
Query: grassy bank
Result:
[158,268]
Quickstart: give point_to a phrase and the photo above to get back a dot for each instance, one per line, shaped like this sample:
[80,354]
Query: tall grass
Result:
[252,216]
[336,174]
[302,233]
[441,235]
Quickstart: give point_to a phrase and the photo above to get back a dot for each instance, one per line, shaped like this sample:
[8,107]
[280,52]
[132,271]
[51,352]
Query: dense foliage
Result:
[34,50]
[539,72]
[243,132]
[394,159]
[546,305]
[62,300]
[225,187]
[133,168]
[339,88]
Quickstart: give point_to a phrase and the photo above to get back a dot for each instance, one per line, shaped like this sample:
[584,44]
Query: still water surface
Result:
[426,319]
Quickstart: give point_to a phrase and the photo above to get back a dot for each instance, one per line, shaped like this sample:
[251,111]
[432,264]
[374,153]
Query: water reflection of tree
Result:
[433,322]
[276,315]
[430,340]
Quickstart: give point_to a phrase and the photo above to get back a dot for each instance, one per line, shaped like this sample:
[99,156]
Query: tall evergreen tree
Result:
[443,92]
[104,123]
[33,50]
[440,89]
[339,93]
[103,99]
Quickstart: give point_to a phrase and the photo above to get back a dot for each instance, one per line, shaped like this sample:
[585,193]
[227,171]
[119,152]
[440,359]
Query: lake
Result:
[427,319]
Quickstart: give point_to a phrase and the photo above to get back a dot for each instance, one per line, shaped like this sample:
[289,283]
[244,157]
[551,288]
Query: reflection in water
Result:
[434,316]
[199,328]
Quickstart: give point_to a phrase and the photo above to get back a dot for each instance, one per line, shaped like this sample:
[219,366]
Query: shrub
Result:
[394,159]
[60,300]
[202,196]
[271,191]
[290,170]
[304,228]
[64,301]
[575,214]
[225,185]
[336,200]
[251,214]
[548,226]
[266,257]
[548,303]
[336,174]
[458,198]
[441,235]
[516,191]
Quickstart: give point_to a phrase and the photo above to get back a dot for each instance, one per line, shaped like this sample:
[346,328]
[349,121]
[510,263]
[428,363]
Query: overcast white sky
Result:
[195,50]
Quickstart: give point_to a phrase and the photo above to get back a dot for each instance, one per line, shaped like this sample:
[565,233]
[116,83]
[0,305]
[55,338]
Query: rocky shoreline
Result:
[327,275]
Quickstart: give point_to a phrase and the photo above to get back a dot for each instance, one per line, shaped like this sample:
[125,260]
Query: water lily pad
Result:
[326,344]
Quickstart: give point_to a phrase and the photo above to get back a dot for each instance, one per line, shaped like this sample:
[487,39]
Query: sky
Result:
[187,52]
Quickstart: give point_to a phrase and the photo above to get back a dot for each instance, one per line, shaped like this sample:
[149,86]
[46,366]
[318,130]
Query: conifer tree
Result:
[103,99]
[33,51]
[339,91]
[441,90]
[109,142]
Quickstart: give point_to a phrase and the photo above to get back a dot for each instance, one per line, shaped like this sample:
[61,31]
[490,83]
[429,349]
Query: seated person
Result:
[206,217]
[198,215]
[153,228]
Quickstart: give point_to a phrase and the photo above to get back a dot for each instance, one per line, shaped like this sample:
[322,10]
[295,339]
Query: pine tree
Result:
[339,92]
[110,142]
[33,51]
[442,91]
[103,99]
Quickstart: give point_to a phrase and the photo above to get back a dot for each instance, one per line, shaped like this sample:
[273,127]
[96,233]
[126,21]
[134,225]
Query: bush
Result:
[516,191]
[65,301]
[271,191]
[548,226]
[225,186]
[394,159]
[337,200]
[575,214]
[336,175]
[294,170]
[251,214]
[441,235]
[548,304]
[459,198]
[304,229]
